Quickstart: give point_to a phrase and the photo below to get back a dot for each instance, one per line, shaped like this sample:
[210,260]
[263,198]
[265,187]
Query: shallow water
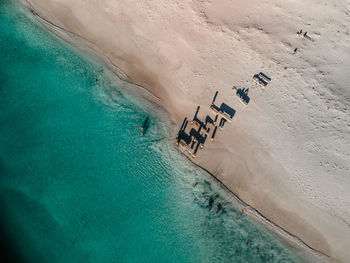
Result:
[78,182]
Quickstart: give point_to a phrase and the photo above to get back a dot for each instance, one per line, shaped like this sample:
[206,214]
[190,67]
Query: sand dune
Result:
[287,152]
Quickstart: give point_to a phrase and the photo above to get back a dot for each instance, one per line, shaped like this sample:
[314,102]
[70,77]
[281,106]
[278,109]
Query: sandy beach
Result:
[286,153]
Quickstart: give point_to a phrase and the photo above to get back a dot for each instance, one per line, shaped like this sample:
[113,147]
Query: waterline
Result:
[79,183]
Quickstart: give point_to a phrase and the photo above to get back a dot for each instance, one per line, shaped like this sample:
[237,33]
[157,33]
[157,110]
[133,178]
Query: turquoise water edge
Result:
[78,182]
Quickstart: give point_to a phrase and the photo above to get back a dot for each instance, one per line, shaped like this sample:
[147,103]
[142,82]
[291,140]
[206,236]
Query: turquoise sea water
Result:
[77,181]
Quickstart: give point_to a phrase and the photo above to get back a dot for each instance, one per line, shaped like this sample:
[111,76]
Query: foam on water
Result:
[78,181]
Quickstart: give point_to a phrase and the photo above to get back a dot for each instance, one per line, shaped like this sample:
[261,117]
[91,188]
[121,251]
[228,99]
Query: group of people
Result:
[300,32]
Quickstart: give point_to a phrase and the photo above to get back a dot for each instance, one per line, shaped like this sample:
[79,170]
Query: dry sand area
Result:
[287,153]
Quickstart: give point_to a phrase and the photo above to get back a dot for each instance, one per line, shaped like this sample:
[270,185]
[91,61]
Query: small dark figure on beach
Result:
[300,32]
[295,50]
[305,34]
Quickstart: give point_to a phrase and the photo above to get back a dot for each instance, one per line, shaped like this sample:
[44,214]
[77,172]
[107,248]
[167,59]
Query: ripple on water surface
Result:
[80,184]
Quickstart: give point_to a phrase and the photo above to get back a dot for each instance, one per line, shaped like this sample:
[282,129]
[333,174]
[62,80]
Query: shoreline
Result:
[293,242]
[85,45]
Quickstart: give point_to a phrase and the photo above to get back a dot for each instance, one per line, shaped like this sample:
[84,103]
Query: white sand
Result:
[287,153]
